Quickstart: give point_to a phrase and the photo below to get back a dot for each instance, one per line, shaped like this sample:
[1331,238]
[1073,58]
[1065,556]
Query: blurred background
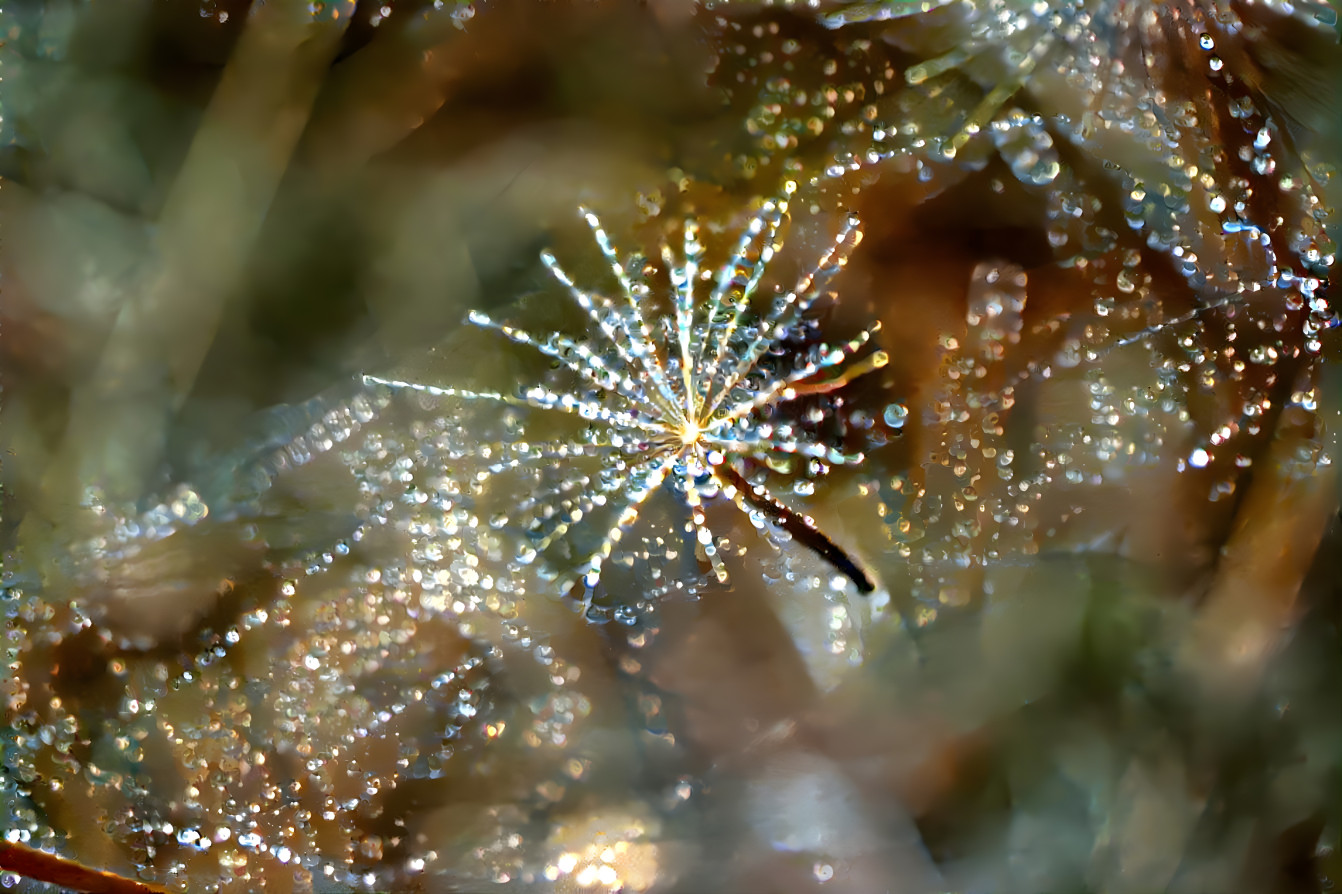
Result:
[261,634]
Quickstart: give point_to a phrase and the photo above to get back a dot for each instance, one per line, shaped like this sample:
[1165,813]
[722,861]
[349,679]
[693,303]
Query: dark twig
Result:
[44,867]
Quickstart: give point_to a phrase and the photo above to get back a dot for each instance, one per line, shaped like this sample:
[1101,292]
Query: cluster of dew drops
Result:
[1195,231]
[286,742]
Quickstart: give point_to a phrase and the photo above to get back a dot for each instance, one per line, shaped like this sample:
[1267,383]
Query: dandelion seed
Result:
[685,402]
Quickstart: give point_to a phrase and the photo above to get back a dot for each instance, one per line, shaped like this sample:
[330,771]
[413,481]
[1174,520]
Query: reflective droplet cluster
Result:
[346,656]
[696,398]
[1176,286]
[324,704]
[316,727]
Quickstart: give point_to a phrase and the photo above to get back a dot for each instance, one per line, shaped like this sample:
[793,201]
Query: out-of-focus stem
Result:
[203,240]
[384,92]
[1252,602]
